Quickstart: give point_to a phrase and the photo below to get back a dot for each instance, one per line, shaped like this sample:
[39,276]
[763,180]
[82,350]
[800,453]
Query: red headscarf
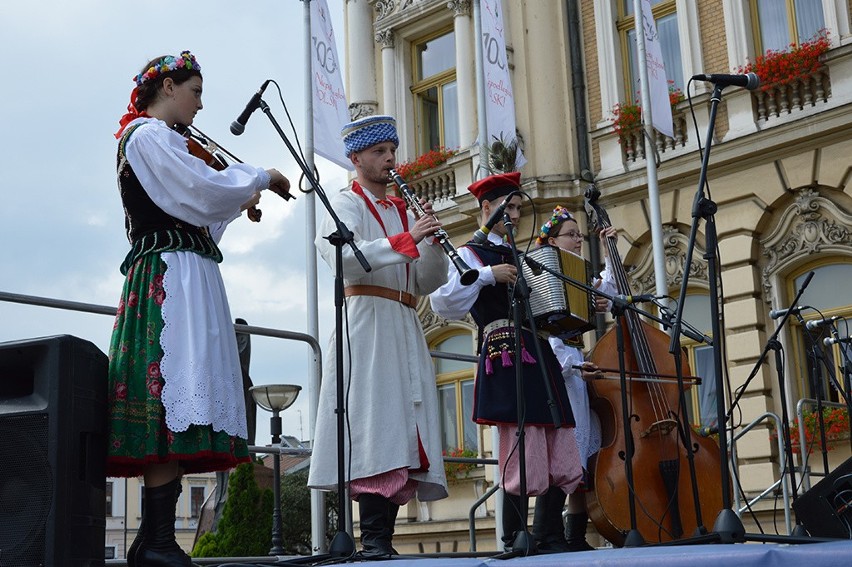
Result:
[131,114]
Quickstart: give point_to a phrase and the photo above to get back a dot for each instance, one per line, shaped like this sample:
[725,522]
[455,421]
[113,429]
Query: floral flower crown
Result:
[560,215]
[166,64]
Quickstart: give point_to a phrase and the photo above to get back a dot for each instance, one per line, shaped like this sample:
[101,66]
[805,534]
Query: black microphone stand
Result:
[774,345]
[818,360]
[728,525]
[342,545]
[520,293]
[847,373]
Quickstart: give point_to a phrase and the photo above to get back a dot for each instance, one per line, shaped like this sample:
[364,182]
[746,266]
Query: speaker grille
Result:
[25,494]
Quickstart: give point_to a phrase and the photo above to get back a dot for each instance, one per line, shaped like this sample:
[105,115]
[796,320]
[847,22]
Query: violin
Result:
[658,492]
[207,151]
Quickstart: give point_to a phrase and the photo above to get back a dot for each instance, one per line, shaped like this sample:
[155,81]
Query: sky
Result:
[69,69]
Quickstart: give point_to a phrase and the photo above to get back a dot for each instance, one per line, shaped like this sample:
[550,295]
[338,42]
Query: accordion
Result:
[559,307]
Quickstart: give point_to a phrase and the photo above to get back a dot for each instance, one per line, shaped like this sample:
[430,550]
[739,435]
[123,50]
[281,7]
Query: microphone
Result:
[481,234]
[534,266]
[749,80]
[238,126]
[630,299]
[817,323]
[828,341]
[776,313]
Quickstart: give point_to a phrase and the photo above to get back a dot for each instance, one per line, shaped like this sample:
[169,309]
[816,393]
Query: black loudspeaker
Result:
[826,509]
[52,453]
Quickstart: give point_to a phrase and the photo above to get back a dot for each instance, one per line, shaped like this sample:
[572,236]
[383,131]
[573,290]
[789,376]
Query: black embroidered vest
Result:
[149,228]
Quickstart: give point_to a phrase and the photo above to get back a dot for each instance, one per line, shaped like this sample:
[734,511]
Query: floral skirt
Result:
[138,435]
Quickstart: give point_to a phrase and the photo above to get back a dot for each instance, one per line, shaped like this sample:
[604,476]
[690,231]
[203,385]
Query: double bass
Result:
[664,504]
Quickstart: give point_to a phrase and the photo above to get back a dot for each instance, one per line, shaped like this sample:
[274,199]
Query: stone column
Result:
[465,70]
[385,38]
[361,68]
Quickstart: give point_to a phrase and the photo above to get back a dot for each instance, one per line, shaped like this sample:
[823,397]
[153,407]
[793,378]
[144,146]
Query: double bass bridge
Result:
[663,427]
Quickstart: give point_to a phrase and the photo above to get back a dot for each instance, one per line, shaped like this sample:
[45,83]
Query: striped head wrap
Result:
[369,131]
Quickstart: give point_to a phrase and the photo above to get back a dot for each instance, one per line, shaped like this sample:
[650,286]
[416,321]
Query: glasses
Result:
[571,234]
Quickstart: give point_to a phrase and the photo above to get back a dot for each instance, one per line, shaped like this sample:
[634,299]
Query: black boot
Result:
[376,526]
[548,529]
[575,532]
[158,547]
[512,520]
[393,511]
[140,532]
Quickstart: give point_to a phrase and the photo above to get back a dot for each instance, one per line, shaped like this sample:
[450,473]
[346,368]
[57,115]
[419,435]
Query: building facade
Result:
[778,173]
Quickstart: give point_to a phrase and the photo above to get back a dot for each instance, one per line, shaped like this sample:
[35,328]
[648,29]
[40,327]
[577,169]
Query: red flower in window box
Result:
[836,421]
[627,116]
[413,169]
[779,68]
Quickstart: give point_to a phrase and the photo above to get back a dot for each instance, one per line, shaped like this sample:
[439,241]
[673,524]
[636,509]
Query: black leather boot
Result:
[575,532]
[512,521]
[137,541]
[376,526]
[158,547]
[548,529]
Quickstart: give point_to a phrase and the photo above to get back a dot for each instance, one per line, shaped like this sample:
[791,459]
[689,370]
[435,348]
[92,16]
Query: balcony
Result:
[441,184]
[633,144]
[802,93]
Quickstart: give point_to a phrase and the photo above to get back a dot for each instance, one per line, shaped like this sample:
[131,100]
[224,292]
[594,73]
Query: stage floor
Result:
[828,554]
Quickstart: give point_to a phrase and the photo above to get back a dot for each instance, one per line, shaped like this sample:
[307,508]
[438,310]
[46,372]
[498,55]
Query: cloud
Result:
[61,222]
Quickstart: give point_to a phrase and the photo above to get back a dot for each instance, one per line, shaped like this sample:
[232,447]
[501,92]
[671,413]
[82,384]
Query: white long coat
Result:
[389,380]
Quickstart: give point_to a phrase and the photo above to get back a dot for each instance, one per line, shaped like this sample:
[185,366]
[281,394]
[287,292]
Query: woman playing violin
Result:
[563,232]
[175,383]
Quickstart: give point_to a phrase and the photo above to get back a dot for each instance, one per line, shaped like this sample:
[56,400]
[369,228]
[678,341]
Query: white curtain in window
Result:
[809,18]
[774,32]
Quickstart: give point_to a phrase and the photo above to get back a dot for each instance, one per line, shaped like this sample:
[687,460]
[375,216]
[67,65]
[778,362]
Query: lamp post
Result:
[276,398]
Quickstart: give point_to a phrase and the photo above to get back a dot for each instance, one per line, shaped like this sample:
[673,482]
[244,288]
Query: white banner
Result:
[331,112]
[499,100]
[658,86]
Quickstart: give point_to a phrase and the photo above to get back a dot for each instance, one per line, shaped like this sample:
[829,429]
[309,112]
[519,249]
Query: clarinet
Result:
[467,275]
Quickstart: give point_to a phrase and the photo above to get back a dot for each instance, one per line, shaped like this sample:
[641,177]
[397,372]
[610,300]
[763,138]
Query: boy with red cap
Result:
[552,462]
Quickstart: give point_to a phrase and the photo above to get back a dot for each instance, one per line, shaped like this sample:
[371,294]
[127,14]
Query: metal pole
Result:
[657,247]
[275,426]
[318,524]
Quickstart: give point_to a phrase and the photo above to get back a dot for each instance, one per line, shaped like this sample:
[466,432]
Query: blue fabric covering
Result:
[832,554]
[368,131]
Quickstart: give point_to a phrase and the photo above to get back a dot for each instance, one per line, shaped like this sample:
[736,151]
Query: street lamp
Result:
[276,398]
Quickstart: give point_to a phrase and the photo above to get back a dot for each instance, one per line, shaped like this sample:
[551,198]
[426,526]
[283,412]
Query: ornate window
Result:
[778,23]
[811,234]
[665,15]
[436,107]
[455,393]
[820,368]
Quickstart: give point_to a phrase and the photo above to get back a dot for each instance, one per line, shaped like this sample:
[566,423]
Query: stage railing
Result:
[274,333]
[783,475]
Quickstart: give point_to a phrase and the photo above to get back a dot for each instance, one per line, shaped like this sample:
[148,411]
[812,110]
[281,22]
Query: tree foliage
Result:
[296,513]
[246,525]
